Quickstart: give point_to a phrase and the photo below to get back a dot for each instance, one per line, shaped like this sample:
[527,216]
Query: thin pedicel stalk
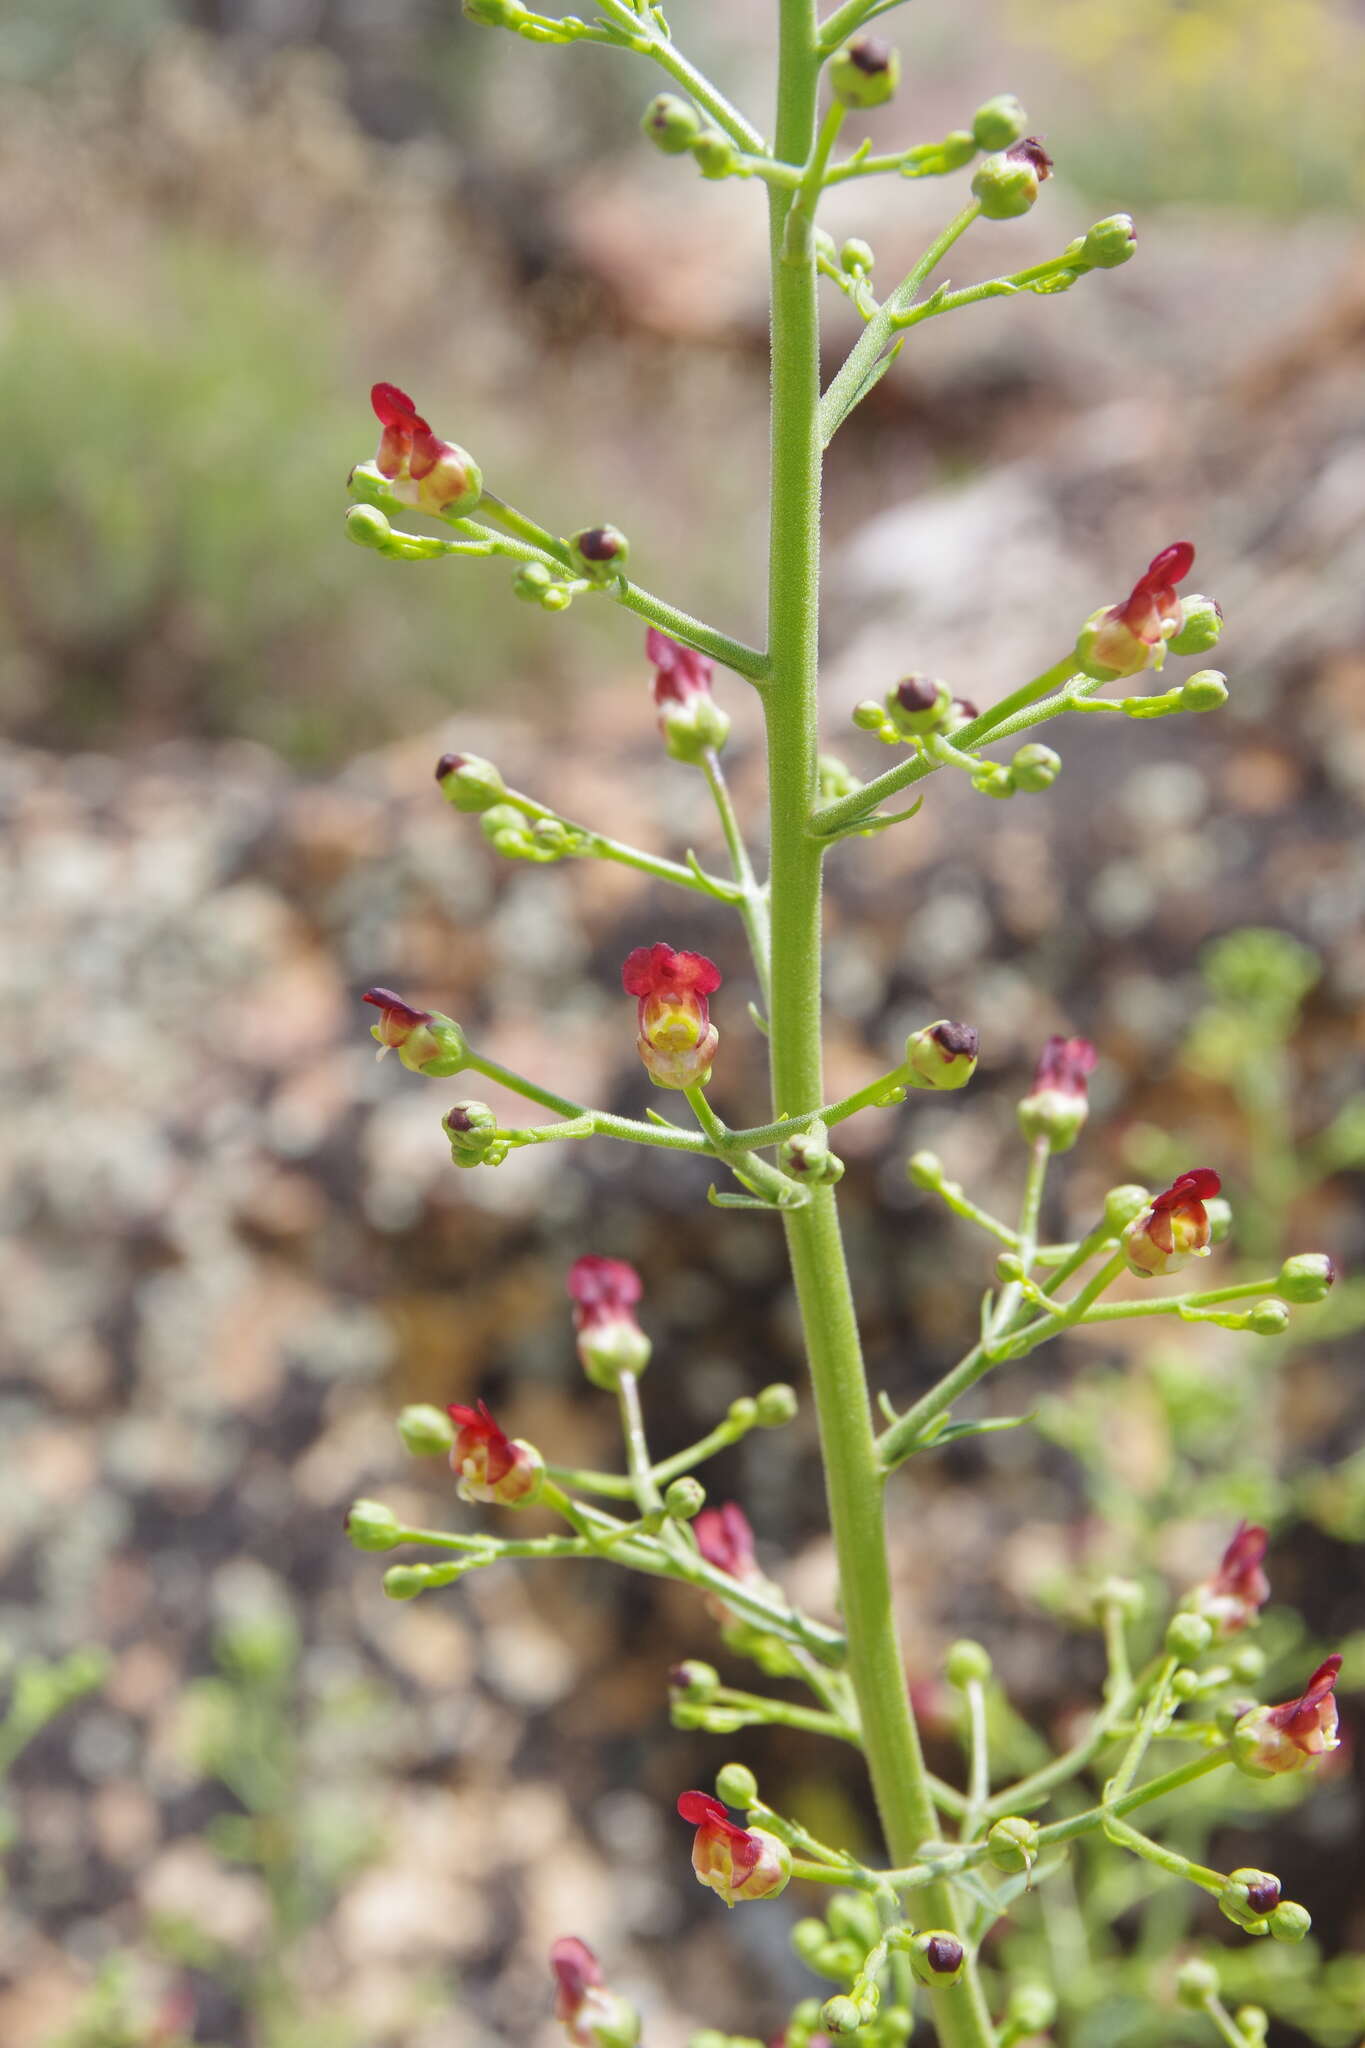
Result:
[853,1474]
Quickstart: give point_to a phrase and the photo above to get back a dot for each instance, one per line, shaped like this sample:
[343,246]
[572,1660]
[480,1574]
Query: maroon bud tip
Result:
[958,1039]
[1263,1898]
[944,1955]
[458,1119]
[870,54]
[1029,150]
[448,765]
[599,544]
[965,708]
[917,693]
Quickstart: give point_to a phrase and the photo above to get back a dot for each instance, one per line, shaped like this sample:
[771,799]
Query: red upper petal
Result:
[658,970]
[1064,1064]
[595,1282]
[705,1812]
[1198,1185]
[725,1538]
[576,1968]
[393,408]
[680,669]
[1172,565]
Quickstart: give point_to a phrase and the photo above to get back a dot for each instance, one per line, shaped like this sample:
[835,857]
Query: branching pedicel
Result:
[921,1920]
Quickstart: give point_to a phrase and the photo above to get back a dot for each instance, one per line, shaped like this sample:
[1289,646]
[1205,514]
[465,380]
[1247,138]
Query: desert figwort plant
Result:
[958,1859]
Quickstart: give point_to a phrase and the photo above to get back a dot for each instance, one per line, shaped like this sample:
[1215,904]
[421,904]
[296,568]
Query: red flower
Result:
[689,718]
[488,1465]
[677,1040]
[591,2015]
[1058,1105]
[432,474]
[1271,1740]
[425,1041]
[725,1540]
[1123,640]
[1174,1226]
[1239,1589]
[737,1863]
[610,1341]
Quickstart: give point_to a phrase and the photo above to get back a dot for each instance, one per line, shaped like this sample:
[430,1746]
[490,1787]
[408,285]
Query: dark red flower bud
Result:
[425,1041]
[677,1040]
[1058,1105]
[1029,150]
[689,718]
[1239,1589]
[590,2014]
[1174,1226]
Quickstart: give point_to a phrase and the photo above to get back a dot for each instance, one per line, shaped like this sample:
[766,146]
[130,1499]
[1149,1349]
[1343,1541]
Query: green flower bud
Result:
[1196,1984]
[1031,2007]
[836,779]
[495,13]
[694,1679]
[714,154]
[856,258]
[967,1662]
[807,1156]
[1012,1844]
[942,1055]
[1247,1897]
[1184,1683]
[1218,1209]
[1201,625]
[1269,1319]
[368,528]
[1254,2023]
[1306,1278]
[1206,690]
[868,715]
[671,124]
[775,1405]
[918,704]
[426,1431]
[469,782]
[600,552]
[472,1128]
[683,1499]
[531,582]
[957,148]
[925,1169]
[853,1917]
[742,1411]
[1247,1663]
[1188,1635]
[937,1958]
[1290,1921]
[1106,245]
[405,1581]
[372,1526]
[842,2015]
[1122,1204]
[1007,184]
[999,122]
[736,1785]
[865,73]
[1035,768]
[506,829]
[1125,1594]
[992,778]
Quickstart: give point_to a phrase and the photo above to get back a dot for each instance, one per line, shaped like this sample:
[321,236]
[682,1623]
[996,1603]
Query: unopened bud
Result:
[1012,1844]
[671,124]
[426,1431]
[807,1156]
[836,778]
[694,1679]
[775,1405]
[842,2015]
[372,1526]
[1306,1278]
[684,1498]
[1122,1204]
[967,1663]
[600,552]
[919,704]
[999,122]
[495,13]
[856,258]
[1206,690]
[1031,2007]
[937,1958]
[993,779]
[942,1055]
[1219,1212]
[1269,1319]
[715,155]
[531,582]
[1035,768]
[1007,184]
[865,73]
[1248,1897]
[925,1169]
[469,782]
[1201,625]
[1248,1663]
[1197,1983]
[1108,244]
[1188,1635]
[368,528]
[868,715]
[736,1785]
[1290,1921]
[1126,1595]
[475,1140]
[1253,2023]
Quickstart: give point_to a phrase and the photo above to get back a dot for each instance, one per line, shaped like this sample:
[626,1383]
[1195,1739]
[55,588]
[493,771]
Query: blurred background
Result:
[275,1810]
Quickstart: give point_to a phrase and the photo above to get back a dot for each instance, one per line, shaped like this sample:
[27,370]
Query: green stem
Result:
[852,1474]
[753,903]
[599,847]
[603,1122]
[644,36]
[647,1495]
[861,367]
